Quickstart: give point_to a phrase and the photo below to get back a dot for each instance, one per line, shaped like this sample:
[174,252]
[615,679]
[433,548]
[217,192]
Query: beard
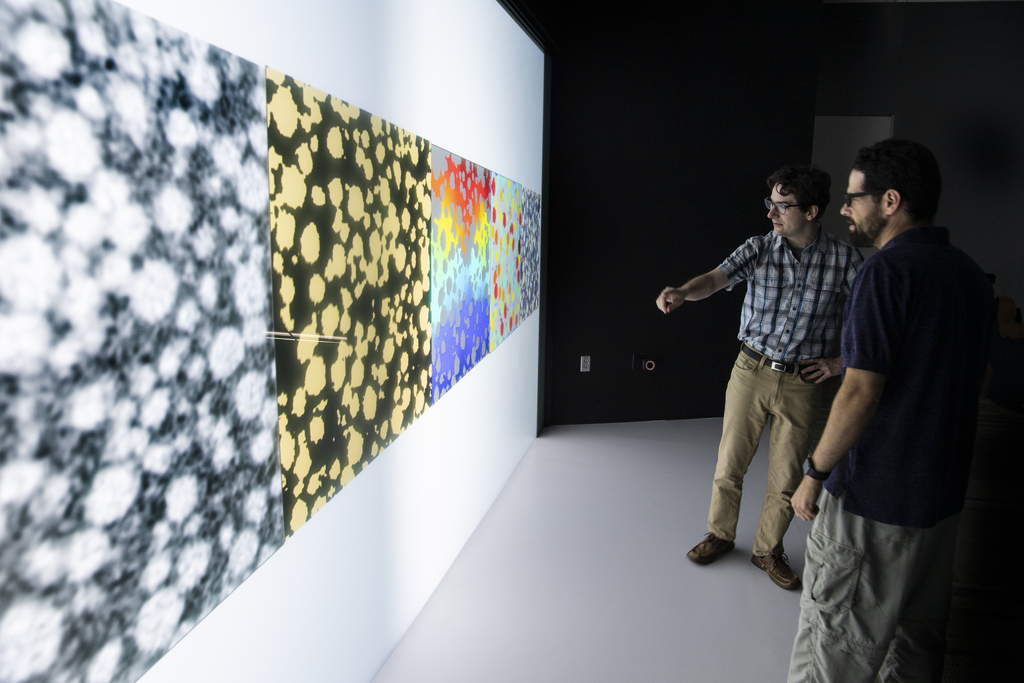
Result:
[867,231]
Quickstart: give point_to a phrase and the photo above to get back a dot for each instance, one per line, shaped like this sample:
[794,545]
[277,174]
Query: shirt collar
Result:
[819,241]
[922,234]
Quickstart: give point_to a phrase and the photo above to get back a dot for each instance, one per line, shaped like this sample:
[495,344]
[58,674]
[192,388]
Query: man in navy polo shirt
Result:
[896,451]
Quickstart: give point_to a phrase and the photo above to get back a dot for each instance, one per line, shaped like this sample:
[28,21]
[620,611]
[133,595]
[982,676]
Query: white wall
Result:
[332,603]
[460,73]
[336,599]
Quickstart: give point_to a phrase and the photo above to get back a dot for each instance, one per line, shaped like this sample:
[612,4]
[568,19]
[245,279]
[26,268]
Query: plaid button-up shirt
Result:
[791,311]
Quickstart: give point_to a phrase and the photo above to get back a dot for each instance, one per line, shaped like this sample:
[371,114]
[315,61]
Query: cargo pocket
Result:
[835,574]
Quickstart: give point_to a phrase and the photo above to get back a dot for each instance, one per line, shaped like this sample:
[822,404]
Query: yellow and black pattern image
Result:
[350,217]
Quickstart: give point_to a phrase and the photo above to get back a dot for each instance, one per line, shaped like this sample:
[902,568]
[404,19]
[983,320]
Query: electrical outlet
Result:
[642,362]
[584,363]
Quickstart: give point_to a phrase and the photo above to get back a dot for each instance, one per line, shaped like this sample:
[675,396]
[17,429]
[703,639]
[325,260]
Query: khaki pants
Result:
[756,391]
[829,389]
[875,600]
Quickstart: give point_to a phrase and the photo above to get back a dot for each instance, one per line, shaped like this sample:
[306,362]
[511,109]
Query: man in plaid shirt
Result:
[788,366]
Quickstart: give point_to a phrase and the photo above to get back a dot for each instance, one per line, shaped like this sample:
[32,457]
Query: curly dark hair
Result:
[909,168]
[809,184]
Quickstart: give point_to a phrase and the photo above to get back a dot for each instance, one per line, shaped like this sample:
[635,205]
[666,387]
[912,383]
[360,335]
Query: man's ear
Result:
[891,202]
[812,212]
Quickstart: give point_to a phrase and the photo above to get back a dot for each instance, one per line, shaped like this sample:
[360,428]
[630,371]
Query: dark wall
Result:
[962,94]
[664,126]
[858,74]
[952,75]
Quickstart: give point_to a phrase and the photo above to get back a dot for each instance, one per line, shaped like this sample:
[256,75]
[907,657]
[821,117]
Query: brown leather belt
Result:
[777,366]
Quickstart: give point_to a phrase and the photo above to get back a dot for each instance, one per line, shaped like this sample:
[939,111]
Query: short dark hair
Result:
[909,168]
[809,184]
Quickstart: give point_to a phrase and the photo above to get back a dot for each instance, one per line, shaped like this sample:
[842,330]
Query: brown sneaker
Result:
[778,569]
[708,550]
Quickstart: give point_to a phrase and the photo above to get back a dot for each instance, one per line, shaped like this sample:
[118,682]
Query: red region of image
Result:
[465,193]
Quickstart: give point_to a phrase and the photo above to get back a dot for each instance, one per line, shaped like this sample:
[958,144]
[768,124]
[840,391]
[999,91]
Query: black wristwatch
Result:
[813,473]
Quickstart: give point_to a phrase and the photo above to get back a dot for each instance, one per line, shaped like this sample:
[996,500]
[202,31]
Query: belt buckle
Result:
[779,367]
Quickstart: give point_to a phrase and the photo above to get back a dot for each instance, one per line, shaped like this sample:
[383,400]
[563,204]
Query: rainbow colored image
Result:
[460,228]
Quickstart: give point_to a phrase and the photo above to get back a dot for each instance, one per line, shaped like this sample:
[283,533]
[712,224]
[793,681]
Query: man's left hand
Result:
[805,498]
[820,369]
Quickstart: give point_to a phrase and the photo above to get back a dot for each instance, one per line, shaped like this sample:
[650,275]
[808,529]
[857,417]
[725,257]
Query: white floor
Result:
[579,572]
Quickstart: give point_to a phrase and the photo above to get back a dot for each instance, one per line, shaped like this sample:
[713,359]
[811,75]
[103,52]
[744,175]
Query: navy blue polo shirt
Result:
[920,313]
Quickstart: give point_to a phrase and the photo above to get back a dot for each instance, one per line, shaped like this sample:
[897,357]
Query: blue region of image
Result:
[459,304]
[459,342]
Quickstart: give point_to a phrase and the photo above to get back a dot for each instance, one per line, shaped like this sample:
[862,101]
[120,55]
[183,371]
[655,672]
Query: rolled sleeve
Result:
[739,266]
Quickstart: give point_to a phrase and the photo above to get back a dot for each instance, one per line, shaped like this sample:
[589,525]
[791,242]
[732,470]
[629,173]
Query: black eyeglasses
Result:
[850,196]
[779,206]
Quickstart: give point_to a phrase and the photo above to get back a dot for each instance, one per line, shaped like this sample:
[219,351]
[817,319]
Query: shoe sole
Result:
[708,559]
[793,586]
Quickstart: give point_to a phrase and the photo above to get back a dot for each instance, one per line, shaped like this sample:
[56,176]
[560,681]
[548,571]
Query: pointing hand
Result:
[670,299]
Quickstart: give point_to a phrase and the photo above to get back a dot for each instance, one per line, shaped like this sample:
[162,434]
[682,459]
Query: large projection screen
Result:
[333,602]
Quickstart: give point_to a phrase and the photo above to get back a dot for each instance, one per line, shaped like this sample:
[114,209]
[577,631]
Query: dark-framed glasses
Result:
[779,206]
[850,196]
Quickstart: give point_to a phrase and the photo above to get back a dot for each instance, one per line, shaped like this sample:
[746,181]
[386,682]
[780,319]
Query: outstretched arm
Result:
[700,287]
[852,409]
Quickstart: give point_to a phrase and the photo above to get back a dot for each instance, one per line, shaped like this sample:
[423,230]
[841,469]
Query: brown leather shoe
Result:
[708,550]
[778,569]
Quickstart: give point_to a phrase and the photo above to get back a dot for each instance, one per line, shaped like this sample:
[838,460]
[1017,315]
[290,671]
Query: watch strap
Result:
[813,473]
